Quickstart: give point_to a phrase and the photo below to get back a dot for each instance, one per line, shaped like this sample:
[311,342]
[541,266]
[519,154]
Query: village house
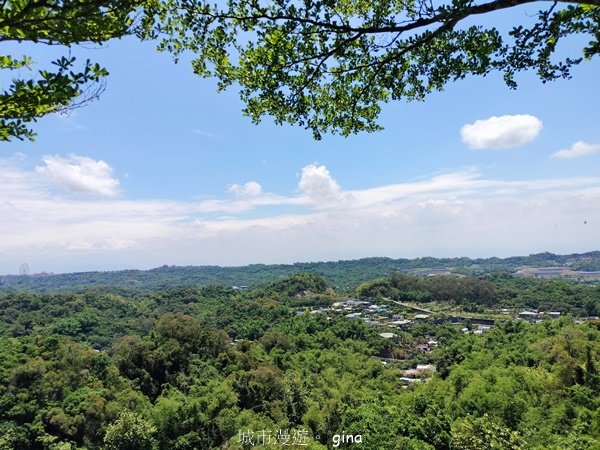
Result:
[387,335]
[420,317]
[528,315]
[422,347]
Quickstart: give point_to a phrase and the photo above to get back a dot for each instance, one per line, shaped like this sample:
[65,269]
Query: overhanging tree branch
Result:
[329,65]
[56,22]
[459,13]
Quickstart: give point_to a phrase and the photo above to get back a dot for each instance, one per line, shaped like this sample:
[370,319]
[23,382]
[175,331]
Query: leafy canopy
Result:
[328,65]
[24,98]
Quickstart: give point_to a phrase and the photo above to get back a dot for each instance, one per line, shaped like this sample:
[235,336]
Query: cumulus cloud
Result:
[248,196]
[317,183]
[578,149]
[501,132]
[80,174]
[249,189]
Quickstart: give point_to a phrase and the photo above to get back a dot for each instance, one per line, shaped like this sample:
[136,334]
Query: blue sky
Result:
[164,170]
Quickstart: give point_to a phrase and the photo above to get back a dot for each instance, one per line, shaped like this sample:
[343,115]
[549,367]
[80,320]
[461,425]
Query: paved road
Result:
[413,307]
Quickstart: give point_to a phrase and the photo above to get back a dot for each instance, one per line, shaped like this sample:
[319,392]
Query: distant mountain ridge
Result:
[345,274]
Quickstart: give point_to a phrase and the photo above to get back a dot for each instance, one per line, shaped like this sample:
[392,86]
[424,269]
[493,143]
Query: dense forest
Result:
[279,367]
[489,291]
[342,275]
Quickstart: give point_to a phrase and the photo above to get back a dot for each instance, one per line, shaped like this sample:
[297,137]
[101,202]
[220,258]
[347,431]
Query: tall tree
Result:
[328,65]
[54,22]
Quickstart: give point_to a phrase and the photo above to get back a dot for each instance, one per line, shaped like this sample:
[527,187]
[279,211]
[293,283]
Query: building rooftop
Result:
[387,335]
[400,322]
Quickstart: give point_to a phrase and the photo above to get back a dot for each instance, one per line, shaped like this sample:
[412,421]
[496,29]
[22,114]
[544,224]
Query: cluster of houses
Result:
[538,316]
[536,272]
[380,315]
[375,315]
[558,272]
[530,316]
[388,318]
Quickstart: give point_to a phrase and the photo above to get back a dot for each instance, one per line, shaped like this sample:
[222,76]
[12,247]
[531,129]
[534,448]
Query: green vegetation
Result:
[498,291]
[536,385]
[329,65]
[54,22]
[192,368]
[343,276]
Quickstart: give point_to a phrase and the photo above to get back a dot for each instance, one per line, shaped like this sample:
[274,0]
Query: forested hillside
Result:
[341,275]
[489,291]
[214,367]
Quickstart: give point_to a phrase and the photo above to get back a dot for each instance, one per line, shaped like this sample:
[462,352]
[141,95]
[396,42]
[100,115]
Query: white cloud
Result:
[204,133]
[69,121]
[111,243]
[578,149]
[450,214]
[501,132]
[317,183]
[249,189]
[80,174]
[242,204]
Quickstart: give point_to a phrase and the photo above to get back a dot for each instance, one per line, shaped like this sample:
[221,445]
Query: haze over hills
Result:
[340,274]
